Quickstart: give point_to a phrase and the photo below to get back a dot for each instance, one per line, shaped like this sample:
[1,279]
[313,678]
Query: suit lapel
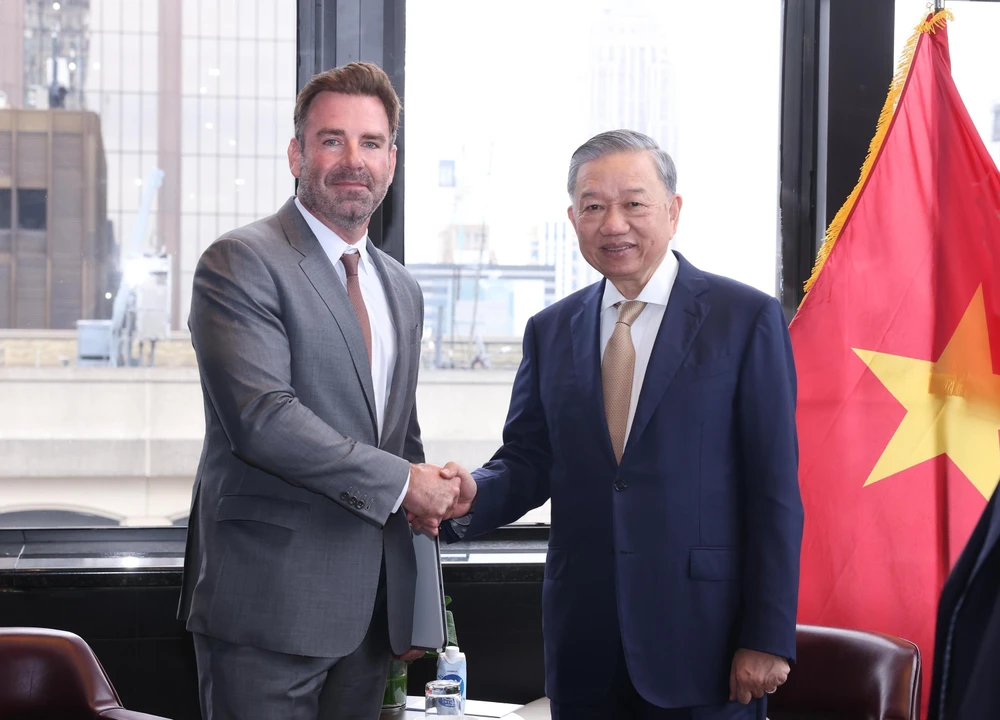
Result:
[402,312]
[992,537]
[319,270]
[682,320]
[585,328]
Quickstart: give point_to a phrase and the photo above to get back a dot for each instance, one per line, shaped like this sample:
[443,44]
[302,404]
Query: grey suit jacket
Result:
[291,505]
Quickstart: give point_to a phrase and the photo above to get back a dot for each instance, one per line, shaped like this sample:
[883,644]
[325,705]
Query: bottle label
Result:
[457,678]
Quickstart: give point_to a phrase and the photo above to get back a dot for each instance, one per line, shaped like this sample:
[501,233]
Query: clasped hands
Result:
[437,494]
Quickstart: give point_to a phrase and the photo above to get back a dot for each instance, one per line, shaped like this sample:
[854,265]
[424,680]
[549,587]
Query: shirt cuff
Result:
[406,486]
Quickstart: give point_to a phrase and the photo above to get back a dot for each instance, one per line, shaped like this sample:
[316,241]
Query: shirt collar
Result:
[332,243]
[657,289]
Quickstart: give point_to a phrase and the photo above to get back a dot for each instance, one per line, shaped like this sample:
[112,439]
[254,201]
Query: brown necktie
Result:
[350,261]
[617,371]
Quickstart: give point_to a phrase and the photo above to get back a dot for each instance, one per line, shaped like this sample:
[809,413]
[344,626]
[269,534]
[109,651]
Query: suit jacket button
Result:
[344,496]
[620,485]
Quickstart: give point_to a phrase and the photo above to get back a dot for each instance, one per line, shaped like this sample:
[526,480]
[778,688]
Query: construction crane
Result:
[129,314]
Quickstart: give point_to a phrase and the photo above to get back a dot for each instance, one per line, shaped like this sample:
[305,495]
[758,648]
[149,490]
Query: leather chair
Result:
[849,675]
[54,674]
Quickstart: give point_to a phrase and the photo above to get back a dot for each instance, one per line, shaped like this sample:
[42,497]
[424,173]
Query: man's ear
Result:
[295,157]
[392,164]
[674,210]
[571,216]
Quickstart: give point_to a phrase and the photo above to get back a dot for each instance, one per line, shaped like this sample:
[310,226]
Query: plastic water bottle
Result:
[451,666]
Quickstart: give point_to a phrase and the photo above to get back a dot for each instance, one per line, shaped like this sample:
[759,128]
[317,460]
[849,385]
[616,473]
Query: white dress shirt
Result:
[655,294]
[379,316]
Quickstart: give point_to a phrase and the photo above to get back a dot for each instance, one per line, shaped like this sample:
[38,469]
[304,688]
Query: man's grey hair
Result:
[616,141]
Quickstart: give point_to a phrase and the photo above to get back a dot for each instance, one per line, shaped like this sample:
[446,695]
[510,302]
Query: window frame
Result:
[817,39]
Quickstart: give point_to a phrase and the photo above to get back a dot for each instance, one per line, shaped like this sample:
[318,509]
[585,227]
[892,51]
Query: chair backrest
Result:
[849,675]
[51,674]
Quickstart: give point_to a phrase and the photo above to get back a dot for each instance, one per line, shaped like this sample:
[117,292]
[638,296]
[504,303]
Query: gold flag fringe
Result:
[929,25]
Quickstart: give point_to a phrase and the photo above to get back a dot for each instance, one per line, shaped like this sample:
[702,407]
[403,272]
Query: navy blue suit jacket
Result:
[689,549]
[967,642]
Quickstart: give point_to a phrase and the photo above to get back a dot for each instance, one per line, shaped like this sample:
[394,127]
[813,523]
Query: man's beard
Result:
[347,209]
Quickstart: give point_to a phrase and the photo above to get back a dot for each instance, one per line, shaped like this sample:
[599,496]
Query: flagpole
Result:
[938,5]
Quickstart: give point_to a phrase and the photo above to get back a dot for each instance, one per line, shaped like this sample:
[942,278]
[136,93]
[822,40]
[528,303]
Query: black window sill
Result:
[154,557]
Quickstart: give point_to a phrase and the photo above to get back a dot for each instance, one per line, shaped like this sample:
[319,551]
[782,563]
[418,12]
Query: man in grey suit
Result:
[299,573]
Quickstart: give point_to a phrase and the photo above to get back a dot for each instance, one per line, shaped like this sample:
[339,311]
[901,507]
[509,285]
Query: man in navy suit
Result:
[657,410]
[964,684]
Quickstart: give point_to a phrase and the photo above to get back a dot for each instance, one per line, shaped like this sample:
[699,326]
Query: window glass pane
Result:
[150,15]
[208,132]
[209,71]
[191,67]
[284,28]
[112,63]
[190,18]
[266,87]
[149,119]
[150,63]
[208,178]
[131,121]
[228,121]
[189,242]
[246,19]
[228,185]
[131,70]
[247,69]
[209,18]
[228,67]
[284,66]
[31,208]
[488,143]
[229,11]
[93,449]
[264,183]
[247,127]
[6,209]
[109,13]
[132,15]
[267,128]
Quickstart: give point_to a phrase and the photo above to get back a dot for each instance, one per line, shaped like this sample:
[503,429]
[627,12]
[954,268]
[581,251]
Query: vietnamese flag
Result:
[897,349]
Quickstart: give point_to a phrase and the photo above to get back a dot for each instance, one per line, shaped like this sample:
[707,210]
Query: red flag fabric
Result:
[897,350]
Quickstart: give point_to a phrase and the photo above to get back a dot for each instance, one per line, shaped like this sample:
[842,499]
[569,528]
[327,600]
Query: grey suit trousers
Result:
[238,682]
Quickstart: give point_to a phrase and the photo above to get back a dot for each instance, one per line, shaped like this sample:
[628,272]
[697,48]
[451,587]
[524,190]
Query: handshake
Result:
[437,494]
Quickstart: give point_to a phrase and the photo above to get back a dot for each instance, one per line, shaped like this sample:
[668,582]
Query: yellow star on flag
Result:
[952,405]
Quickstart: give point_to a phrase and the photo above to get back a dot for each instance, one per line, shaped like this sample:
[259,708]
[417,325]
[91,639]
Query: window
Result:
[31,209]
[160,136]
[488,143]
[446,173]
[5,208]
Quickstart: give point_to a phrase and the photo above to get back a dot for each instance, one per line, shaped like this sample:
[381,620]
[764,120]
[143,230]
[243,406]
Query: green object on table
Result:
[395,683]
[395,686]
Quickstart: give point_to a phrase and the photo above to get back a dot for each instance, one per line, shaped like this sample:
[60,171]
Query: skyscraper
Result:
[632,80]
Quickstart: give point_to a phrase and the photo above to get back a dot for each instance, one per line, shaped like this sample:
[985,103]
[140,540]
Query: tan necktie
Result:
[350,261]
[617,371]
